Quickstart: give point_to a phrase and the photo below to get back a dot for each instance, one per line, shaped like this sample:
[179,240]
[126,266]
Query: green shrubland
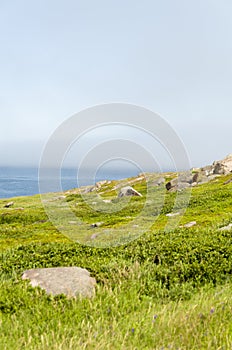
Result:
[168,289]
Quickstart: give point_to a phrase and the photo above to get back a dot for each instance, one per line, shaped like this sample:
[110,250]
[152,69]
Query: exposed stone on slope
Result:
[227,182]
[160,181]
[179,183]
[96,224]
[71,281]
[189,224]
[223,167]
[200,176]
[219,167]
[226,228]
[172,214]
[8,205]
[128,191]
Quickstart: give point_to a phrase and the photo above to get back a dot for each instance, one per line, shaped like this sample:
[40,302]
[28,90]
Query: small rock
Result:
[61,197]
[100,183]
[226,228]
[106,200]
[189,224]
[94,236]
[8,205]
[40,221]
[158,182]
[227,182]
[71,281]
[96,224]
[88,189]
[128,191]
[172,214]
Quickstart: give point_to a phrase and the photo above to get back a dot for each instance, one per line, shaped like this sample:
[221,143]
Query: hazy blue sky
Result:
[171,56]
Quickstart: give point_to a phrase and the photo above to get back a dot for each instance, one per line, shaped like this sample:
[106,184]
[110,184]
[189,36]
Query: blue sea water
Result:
[22,181]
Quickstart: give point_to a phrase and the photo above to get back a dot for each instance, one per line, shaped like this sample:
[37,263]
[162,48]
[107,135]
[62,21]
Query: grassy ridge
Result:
[165,290]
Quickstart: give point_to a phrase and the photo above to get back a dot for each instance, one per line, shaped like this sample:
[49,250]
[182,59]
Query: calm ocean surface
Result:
[15,181]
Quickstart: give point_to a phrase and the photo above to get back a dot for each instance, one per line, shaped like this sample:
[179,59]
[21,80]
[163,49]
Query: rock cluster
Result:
[219,167]
[183,181]
[201,175]
[92,188]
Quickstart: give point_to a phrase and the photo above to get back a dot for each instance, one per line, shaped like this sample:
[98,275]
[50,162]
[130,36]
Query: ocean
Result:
[22,181]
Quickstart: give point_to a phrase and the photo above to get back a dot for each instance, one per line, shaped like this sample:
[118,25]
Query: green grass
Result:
[165,290]
[115,319]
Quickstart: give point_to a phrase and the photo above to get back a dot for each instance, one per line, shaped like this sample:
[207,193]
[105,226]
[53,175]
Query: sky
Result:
[60,57]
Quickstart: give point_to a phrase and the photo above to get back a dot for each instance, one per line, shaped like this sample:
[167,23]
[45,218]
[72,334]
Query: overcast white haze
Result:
[57,58]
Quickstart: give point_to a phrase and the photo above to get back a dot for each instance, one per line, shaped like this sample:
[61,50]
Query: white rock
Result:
[190,224]
[226,228]
[172,214]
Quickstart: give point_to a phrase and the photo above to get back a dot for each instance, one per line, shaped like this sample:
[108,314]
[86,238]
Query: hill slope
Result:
[167,289]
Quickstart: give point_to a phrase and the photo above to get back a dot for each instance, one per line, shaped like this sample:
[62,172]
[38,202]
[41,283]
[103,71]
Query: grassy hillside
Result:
[164,290]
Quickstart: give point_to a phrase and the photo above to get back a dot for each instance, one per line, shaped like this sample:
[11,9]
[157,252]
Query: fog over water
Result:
[172,57]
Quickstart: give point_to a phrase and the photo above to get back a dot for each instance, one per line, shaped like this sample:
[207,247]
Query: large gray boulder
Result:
[128,191]
[71,281]
[202,177]
[158,182]
[181,182]
[183,186]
